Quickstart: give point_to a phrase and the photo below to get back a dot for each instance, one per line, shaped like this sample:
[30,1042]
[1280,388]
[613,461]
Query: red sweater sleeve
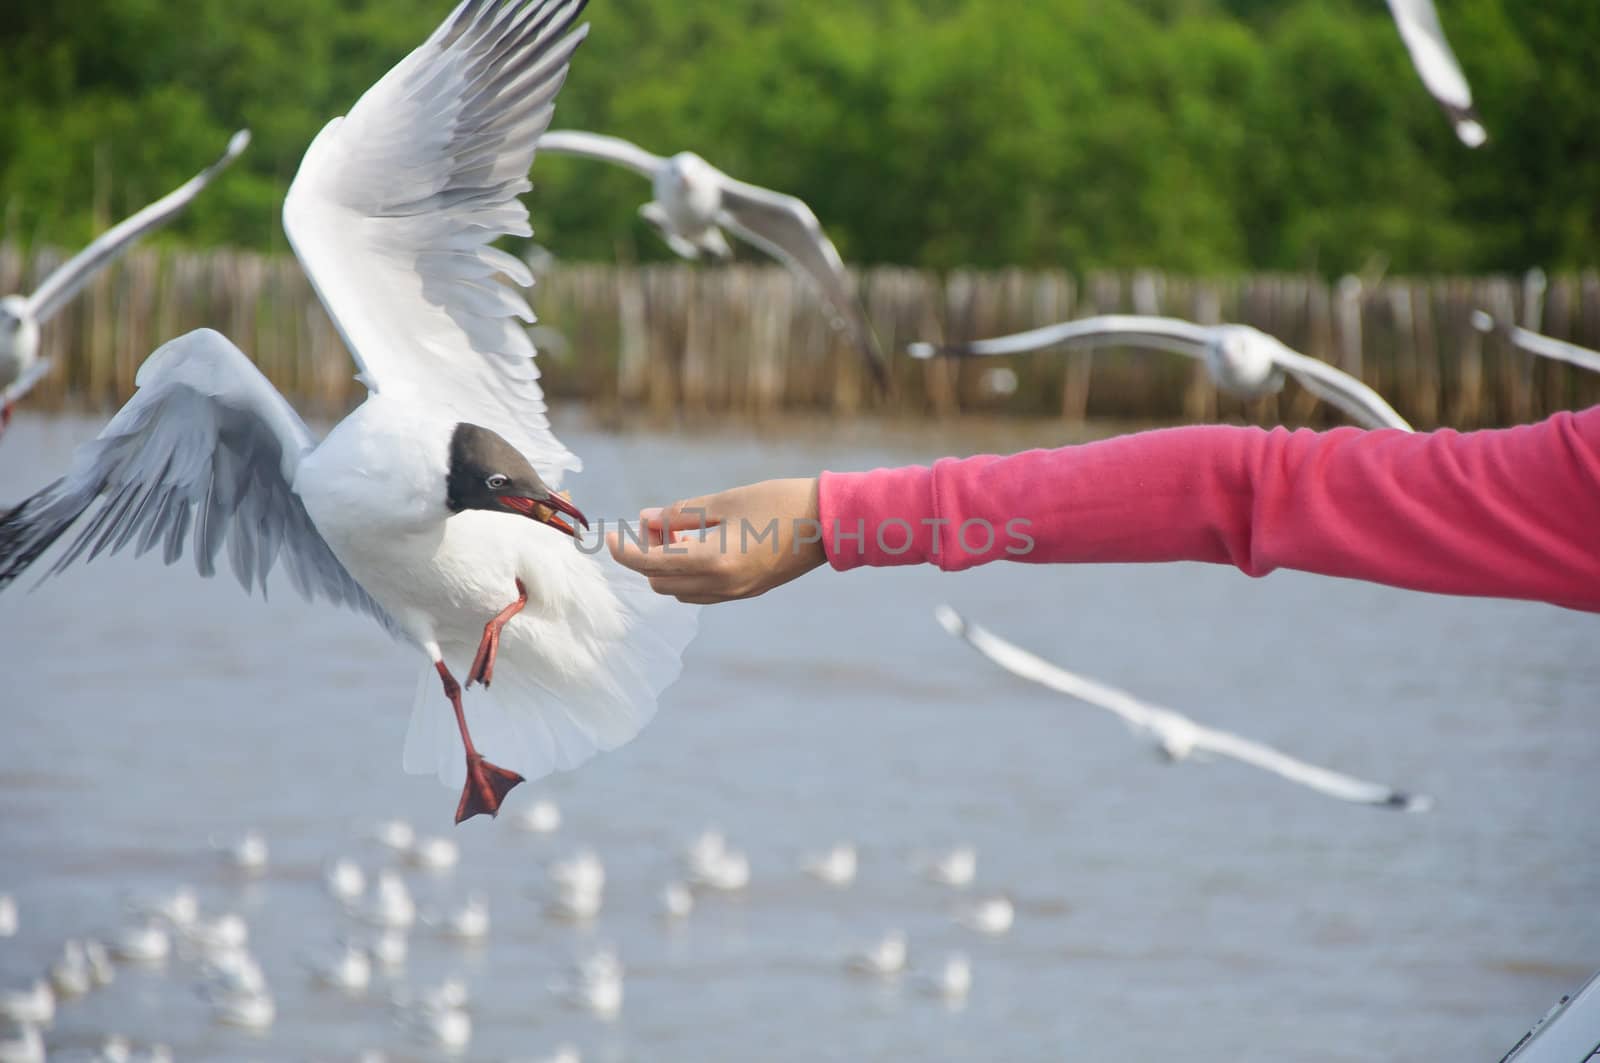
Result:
[1507,513]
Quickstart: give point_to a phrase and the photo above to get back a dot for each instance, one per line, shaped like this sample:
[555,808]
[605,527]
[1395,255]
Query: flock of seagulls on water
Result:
[174,936]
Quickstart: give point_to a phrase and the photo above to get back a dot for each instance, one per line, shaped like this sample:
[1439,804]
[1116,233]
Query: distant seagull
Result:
[1436,64]
[146,943]
[390,949]
[248,853]
[886,957]
[69,975]
[953,981]
[180,908]
[470,922]
[541,817]
[101,971]
[233,973]
[22,1045]
[575,904]
[34,1006]
[348,970]
[992,915]
[432,507]
[706,848]
[394,834]
[226,933]
[582,871]
[1240,360]
[435,854]
[728,873]
[247,1011]
[444,1027]
[345,880]
[391,905]
[836,866]
[1536,343]
[676,901]
[21,315]
[8,916]
[956,867]
[694,201]
[1174,735]
[595,984]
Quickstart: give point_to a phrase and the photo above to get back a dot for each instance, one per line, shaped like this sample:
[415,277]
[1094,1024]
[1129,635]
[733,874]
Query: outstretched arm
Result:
[1509,513]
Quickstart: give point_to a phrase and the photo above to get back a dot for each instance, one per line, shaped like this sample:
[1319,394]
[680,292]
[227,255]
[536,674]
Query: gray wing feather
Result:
[1132,330]
[784,227]
[202,456]
[601,147]
[1333,385]
[66,281]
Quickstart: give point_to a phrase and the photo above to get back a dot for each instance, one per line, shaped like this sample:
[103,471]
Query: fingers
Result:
[702,512]
[682,557]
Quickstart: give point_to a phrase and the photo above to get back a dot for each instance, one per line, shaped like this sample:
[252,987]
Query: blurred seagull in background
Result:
[1436,64]
[24,1044]
[247,854]
[957,867]
[992,915]
[694,201]
[676,900]
[345,880]
[434,854]
[432,507]
[395,834]
[541,817]
[33,1006]
[146,943]
[21,315]
[8,916]
[1175,736]
[1240,360]
[1536,343]
[836,866]
[886,957]
[953,981]
[392,906]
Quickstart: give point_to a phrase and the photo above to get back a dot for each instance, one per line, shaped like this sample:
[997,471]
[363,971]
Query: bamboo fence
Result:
[752,340]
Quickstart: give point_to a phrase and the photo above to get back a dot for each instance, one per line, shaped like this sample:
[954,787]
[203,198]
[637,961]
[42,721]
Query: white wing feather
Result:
[602,148]
[396,205]
[1161,723]
[25,383]
[1333,385]
[1164,333]
[1436,64]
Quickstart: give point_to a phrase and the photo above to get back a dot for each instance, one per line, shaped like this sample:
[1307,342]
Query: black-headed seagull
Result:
[1538,343]
[1175,736]
[694,201]
[1240,360]
[433,506]
[21,315]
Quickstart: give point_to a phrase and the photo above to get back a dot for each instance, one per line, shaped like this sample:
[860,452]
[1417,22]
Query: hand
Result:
[736,544]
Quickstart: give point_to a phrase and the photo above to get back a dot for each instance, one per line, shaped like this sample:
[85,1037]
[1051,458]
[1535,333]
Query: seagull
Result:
[1537,343]
[392,905]
[226,933]
[435,854]
[394,834]
[348,970]
[954,980]
[836,866]
[541,817]
[345,880]
[248,1011]
[957,867]
[694,201]
[101,972]
[8,916]
[248,853]
[233,973]
[70,975]
[1436,64]
[34,1006]
[992,915]
[575,905]
[676,900]
[389,949]
[21,315]
[728,873]
[180,908]
[446,1027]
[887,957]
[145,943]
[583,872]
[1241,360]
[432,507]
[595,984]
[470,922]
[23,1045]
[1175,736]
[706,849]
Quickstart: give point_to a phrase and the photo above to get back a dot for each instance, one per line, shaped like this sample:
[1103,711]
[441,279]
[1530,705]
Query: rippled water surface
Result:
[1197,911]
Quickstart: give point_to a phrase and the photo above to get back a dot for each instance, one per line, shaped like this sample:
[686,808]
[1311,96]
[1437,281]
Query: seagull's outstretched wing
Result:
[1134,330]
[605,149]
[1333,385]
[24,383]
[1538,343]
[396,204]
[784,227]
[77,271]
[205,446]
[1161,723]
[1436,64]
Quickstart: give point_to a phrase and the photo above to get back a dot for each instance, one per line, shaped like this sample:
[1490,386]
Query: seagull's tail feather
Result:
[535,719]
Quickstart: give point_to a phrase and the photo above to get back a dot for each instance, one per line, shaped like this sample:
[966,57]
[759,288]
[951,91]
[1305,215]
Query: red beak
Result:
[544,511]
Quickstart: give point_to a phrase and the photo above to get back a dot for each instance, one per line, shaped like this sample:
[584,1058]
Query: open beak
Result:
[547,510]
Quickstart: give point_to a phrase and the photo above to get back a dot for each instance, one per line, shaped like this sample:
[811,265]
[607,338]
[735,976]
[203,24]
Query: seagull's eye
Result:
[497,481]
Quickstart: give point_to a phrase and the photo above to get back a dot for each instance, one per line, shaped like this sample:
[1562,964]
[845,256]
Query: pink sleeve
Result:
[1509,513]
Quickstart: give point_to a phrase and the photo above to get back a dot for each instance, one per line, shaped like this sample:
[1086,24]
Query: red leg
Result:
[5,418]
[482,669]
[487,784]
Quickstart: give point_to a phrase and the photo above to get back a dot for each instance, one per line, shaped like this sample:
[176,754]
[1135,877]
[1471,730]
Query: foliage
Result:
[1194,135]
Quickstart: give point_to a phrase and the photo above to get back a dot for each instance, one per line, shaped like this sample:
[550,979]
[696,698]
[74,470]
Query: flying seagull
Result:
[694,201]
[1176,736]
[1241,360]
[1537,343]
[21,315]
[433,506]
[1436,64]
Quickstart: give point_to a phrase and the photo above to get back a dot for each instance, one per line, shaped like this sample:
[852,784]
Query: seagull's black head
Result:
[486,472]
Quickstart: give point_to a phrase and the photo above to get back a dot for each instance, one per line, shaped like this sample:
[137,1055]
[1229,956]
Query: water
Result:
[1201,910]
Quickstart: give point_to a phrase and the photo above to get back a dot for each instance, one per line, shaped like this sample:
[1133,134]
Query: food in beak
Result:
[547,510]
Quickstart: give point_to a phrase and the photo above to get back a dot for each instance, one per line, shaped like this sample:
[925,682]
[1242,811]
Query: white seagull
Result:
[541,817]
[992,915]
[8,916]
[1175,736]
[694,201]
[836,866]
[432,507]
[345,880]
[34,1006]
[435,854]
[1241,360]
[887,957]
[954,980]
[1436,64]
[21,315]
[956,867]
[1538,343]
